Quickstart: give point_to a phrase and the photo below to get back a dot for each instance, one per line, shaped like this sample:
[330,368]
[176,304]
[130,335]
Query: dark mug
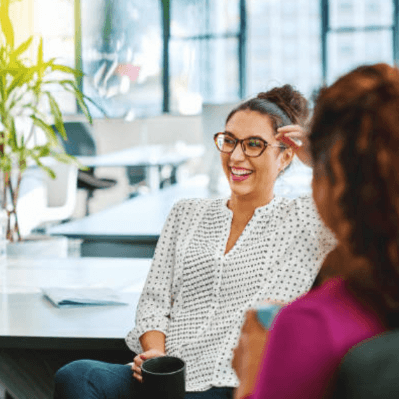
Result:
[163,378]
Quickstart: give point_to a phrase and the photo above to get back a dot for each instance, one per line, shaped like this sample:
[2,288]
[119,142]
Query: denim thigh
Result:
[92,379]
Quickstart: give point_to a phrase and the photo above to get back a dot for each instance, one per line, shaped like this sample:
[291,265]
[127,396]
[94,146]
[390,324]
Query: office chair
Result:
[370,370]
[136,176]
[53,200]
[80,142]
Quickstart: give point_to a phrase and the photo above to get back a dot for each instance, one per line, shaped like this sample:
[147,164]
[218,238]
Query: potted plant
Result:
[25,94]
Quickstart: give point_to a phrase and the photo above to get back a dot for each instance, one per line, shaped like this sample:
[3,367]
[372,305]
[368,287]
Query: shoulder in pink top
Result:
[309,338]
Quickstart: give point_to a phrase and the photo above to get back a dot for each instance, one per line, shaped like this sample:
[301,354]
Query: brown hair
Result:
[361,110]
[289,100]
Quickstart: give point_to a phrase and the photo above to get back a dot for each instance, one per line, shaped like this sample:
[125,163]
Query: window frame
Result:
[242,42]
[326,29]
[166,37]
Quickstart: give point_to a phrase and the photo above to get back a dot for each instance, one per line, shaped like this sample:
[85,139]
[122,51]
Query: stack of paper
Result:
[62,297]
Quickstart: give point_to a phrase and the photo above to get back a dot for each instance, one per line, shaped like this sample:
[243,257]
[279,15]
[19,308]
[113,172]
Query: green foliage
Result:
[25,86]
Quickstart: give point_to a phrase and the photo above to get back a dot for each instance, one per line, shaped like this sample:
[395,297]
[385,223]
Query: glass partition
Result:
[218,51]
[359,32]
[204,53]
[284,41]
[122,56]
[54,21]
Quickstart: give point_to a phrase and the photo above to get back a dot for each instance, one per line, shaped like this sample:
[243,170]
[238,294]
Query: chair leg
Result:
[89,196]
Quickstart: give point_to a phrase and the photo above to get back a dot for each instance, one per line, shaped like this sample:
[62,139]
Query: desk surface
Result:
[28,320]
[150,155]
[138,219]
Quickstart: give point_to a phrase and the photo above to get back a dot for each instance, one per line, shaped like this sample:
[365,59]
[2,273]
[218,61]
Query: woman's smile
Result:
[240,174]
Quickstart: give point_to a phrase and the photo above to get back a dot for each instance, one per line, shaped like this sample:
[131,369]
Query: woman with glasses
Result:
[218,257]
[354,142]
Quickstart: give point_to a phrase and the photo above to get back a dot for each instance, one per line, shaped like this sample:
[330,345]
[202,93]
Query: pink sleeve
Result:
[299,360]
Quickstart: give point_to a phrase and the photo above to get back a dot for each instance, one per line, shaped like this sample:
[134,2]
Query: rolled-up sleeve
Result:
[153,309]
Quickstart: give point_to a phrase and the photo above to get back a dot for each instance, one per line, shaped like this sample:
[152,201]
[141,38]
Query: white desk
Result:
[153,157]
[132,228]
[36,338]
[28,320]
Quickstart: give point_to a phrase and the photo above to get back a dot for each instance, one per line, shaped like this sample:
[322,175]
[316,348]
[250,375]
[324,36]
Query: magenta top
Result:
[308,339]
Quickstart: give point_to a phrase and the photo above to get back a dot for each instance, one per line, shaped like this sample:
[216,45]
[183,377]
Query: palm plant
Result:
[25,90]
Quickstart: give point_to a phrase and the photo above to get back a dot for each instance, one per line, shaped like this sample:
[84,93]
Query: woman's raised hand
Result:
[296,137]
[139,359]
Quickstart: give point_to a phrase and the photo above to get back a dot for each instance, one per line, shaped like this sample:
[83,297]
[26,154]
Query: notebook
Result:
[63,297]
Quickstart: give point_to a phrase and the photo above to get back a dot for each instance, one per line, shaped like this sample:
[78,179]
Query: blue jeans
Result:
[91,379]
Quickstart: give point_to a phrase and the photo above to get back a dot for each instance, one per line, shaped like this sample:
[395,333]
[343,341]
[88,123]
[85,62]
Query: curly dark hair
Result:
[361,110]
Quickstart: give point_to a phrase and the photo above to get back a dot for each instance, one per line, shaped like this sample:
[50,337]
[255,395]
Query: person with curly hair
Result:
[216,258]
[354,139]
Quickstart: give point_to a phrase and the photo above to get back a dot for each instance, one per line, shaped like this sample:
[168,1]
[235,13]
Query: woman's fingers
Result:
[139,359]
[293,132]
[136,368]
[291,129]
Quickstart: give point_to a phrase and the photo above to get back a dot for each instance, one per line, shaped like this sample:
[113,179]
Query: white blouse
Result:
[197,295]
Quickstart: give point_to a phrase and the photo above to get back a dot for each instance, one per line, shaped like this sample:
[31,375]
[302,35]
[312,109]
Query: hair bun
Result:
[291,101]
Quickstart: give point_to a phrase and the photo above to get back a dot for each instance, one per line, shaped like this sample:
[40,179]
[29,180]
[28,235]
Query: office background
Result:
[152,64]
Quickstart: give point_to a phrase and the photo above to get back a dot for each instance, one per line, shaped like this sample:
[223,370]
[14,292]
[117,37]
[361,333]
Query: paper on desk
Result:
[62,297]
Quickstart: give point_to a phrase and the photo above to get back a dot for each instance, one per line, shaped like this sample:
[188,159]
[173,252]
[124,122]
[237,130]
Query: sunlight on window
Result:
[122,57]
[54,22]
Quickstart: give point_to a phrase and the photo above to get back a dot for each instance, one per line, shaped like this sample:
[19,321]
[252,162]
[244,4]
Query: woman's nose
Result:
[238,153]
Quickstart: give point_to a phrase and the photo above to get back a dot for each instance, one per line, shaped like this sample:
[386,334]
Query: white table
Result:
[132,228]
[153,157]
[24,312]
[36,338]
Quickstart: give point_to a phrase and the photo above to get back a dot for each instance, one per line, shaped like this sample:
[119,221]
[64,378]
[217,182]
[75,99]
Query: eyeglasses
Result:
[251,146]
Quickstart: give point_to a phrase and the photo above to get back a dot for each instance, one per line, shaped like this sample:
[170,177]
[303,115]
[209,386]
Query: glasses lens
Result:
[225,143]
[253,146]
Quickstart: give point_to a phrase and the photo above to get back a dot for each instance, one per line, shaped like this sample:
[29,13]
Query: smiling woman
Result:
[216,258]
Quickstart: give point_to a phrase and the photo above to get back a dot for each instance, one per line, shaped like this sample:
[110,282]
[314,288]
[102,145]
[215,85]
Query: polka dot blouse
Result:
[197,295]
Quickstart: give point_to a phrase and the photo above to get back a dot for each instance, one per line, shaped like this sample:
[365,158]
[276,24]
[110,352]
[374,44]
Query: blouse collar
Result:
[265,209]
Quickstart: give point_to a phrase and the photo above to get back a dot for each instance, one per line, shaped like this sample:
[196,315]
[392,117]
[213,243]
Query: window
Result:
[358,32]
[204,53]
[54,21]
[122,56]
[291,30]
[217,50]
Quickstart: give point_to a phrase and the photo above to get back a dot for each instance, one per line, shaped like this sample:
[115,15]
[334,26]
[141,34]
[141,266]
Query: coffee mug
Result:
[163,378]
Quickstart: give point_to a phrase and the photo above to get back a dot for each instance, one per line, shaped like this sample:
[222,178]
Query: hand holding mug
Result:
[139,359]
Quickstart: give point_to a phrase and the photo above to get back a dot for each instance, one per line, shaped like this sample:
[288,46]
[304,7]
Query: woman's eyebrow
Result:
[229,133]
[246,138]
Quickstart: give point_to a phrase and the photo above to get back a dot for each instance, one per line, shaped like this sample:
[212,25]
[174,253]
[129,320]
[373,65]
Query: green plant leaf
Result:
[22,48]
[56,113]
[5,22]
[47,129]
[66,69]
[3,89]
[40,53]
[82,105]
[23,77]
[47,169]
[41,151]
[66,158]
[13,136]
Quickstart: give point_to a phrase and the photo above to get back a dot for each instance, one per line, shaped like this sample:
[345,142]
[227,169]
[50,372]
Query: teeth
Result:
[240,172]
